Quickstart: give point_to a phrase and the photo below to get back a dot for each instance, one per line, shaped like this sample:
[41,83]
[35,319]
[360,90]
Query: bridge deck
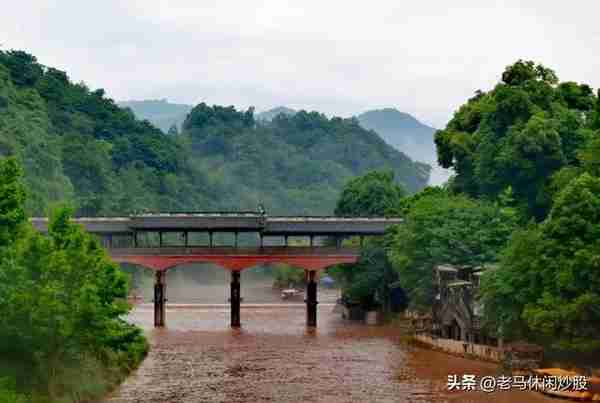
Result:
[232,222]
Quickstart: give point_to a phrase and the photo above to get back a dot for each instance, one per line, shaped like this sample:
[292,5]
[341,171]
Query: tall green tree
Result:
[547,286]
[440,228]
[518,135]
[62,302]
[12,201]
[368,282]
[373,194]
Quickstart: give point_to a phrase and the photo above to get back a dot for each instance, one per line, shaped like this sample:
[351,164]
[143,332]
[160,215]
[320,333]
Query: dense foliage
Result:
[537,141]
[294,163]
[287,276]
[62,301]
[548,286]
[524,205]
[374,194]
[441,228]
[368,282]
[77,145]
[519,135]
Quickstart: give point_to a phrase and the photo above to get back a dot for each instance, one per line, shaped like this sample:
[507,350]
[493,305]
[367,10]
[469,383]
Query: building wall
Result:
[463,349]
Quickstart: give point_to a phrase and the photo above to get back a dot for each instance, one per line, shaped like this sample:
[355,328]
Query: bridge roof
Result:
[232,222]
[328,225]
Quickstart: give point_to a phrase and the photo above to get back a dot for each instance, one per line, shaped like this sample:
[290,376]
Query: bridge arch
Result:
[235,262]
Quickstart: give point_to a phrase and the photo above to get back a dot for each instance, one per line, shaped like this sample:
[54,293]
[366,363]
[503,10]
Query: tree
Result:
[444,229]
[373,194]
[288,276]
[24,68]
[62,301]
[590,155]
[518,135]
[368,282]
[12,201]
[546,287]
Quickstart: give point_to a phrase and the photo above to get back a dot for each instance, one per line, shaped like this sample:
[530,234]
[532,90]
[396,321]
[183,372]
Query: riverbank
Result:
[87,379]
[530,363]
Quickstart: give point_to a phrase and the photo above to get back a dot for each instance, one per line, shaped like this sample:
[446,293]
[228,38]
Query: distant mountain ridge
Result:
[399,129]
[164,114]
[407,134]
[402,131]
[159,112]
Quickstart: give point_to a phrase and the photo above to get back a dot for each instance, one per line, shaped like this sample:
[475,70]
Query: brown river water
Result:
[275,358]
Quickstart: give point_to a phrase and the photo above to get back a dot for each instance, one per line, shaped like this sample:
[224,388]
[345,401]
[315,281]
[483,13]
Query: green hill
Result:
[294,162]
[77,145]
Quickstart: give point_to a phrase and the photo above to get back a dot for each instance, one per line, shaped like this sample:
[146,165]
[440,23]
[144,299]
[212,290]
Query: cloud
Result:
[339,57]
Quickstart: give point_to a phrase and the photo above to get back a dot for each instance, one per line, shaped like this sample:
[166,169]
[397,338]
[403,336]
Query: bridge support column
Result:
[235,298]
[311,299]
[160,298]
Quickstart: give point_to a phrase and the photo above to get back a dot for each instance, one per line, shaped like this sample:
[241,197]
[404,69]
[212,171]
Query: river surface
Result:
[274,358]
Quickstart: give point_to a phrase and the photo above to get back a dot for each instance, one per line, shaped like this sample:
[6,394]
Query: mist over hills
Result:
[399,129]
[407,134]
[402,131]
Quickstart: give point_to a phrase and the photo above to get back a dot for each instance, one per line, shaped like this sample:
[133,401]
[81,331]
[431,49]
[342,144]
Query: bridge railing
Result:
[239,251]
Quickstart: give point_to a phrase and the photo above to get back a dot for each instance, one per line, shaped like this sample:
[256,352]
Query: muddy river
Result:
[274,358]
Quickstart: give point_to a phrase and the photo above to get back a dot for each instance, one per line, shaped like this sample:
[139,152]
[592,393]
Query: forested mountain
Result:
[295,162]
[400,130]
[160,112]
[78,145]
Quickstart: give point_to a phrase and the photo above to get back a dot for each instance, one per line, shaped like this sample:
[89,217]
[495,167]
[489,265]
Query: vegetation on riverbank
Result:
[536,140]
[63,301]
[525,199]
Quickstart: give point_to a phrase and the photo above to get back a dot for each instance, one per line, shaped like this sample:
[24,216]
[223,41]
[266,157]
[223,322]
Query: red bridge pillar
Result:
[235,298]
[160,298]
[311,299]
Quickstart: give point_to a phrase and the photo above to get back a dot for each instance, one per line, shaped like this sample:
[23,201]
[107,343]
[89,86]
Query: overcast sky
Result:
[424,57]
